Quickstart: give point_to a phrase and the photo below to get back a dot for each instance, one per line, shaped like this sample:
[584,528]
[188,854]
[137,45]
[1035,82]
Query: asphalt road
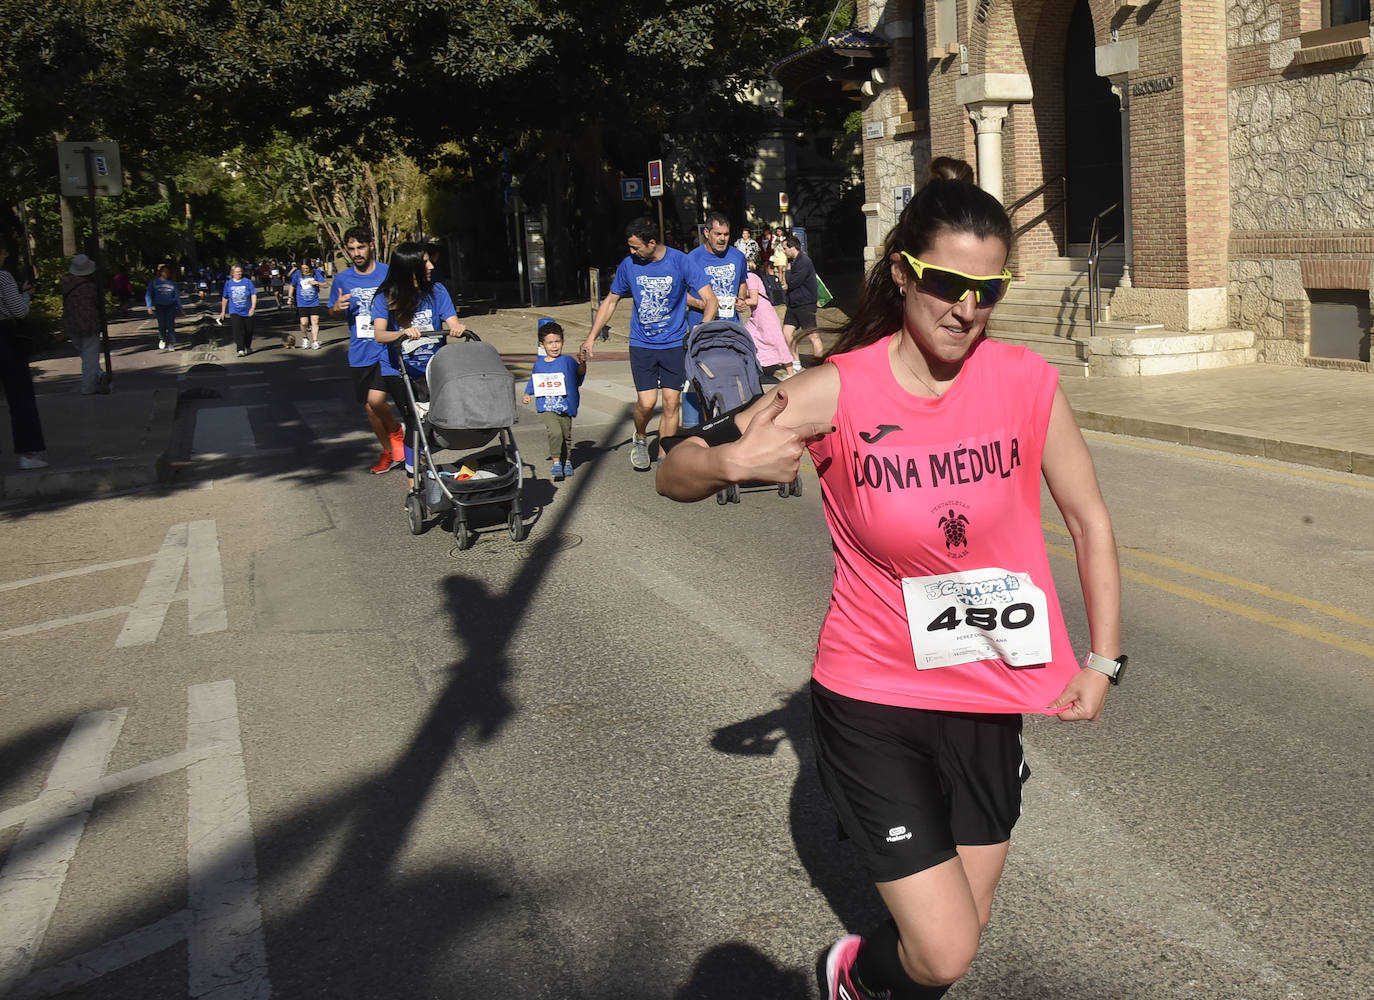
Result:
[259,741]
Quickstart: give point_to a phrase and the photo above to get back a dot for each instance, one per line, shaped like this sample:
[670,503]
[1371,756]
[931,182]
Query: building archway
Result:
[1092,132]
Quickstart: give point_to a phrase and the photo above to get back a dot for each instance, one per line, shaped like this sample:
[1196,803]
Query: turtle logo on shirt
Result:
[956,535]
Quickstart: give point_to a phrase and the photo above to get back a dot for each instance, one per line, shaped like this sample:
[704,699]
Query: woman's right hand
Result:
[771,452]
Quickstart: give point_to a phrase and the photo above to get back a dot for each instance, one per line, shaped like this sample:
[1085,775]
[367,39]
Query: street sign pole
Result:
[89,154]
[656,191]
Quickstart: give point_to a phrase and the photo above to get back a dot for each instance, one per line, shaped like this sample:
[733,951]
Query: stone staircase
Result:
[1047,311]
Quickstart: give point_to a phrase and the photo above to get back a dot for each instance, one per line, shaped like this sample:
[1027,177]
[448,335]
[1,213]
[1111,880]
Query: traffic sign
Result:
[106,175]
[632,189]
[782,202]
[655,178]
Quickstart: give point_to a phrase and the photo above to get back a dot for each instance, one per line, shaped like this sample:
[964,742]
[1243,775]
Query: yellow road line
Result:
[1239,610]
[1330,610]
[1197,451]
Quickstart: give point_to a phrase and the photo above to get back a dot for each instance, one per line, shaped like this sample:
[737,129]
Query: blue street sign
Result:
[632,189]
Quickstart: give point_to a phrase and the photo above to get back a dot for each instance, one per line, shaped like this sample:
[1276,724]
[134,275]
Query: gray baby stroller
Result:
[723,369]
[469,402]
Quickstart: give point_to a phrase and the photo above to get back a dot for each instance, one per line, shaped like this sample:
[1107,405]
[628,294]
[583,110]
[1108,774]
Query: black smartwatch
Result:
[1112,668]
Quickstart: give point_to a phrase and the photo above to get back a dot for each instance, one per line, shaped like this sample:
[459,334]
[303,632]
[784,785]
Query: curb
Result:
[148,465]
[1232,442]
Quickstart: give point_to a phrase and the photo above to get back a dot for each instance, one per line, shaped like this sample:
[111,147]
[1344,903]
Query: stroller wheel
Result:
[796,485]
[463,536]
[415,514]
[733,492]
[785,490]
[722,498]
[517,526]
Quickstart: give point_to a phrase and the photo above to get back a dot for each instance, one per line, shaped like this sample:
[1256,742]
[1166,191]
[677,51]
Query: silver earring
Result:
[902,290]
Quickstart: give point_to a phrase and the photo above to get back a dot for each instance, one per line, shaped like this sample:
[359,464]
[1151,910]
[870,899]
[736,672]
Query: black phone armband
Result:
[717,430]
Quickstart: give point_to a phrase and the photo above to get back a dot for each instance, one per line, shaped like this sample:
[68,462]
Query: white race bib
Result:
[362,327]
[727,307]
[981,614]
[550,384]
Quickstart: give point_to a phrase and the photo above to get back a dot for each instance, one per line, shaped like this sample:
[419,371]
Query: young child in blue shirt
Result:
[553,386]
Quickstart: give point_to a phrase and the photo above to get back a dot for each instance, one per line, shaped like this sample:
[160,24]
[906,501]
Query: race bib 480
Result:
[980,614]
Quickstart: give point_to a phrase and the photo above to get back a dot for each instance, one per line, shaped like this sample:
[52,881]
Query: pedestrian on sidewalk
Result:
[930,441]
[659,278]
[765,327]
[800,317]
[163,299]
[239,299]
[81,320]
[352,294]
[304,292]
[553,385]
[122,289]
[26,428]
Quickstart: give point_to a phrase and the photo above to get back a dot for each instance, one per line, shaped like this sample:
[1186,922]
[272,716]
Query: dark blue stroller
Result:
[723,370]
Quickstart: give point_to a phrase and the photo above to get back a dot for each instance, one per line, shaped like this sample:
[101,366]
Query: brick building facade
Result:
[1237,138]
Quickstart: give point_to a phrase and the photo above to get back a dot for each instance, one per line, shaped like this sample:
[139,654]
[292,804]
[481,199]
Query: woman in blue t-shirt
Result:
[306,282]
[239,298]
[409,304]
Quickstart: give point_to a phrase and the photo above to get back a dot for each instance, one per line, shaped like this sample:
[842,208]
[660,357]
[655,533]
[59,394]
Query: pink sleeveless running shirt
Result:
[944,493]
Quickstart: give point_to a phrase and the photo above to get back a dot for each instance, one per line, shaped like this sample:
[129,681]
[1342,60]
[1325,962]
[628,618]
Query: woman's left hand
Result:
[1085,695]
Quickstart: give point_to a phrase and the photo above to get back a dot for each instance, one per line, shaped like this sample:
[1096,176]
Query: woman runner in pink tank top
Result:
[930,442]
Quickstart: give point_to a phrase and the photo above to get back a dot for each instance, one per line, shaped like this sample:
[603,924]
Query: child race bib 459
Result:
[550,384]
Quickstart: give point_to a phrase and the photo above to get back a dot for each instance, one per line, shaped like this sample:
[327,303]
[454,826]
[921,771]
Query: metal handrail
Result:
[1095,248]
[1063,183]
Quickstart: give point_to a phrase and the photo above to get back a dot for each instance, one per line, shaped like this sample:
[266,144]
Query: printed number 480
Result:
[987,619]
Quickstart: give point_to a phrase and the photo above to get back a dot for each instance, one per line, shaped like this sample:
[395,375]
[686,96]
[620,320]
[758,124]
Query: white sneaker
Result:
[31,462]
[639,454]
[314,345]
[162,345]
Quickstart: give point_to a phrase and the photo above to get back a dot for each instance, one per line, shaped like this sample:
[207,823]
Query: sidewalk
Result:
[97,444]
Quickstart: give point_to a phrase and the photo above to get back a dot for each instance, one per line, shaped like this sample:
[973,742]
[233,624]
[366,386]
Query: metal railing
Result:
[1095,248]
[1025,199]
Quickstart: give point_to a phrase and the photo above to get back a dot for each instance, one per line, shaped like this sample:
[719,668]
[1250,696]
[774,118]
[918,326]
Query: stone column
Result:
[988,98]
[987,118]
[1122,89]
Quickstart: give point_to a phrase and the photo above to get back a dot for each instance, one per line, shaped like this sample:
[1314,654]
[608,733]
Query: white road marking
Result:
[192,546]
[52,624]
[222,924]
[205,611]
[81,571]
[32,877]
[224,431]
[227,950]
[138,944]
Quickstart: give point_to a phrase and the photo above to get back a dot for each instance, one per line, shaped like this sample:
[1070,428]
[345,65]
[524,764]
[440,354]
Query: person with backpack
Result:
[81,320]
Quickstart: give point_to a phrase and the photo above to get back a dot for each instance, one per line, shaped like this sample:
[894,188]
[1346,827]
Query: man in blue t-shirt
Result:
[725,266]
[660,279]
[371,363]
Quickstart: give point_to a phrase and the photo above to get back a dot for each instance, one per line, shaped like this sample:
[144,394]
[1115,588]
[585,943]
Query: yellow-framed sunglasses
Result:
[954,286]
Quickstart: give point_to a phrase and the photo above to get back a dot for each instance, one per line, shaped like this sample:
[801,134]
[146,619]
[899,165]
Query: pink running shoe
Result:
[838,962]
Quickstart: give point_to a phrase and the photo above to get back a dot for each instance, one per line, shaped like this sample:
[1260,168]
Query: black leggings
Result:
[243,330]
[17,379]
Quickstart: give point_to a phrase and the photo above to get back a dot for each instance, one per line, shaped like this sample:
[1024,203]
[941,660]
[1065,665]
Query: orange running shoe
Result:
[384,464]
[398,445]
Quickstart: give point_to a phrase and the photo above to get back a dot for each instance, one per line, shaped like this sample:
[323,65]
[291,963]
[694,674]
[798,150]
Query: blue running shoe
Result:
[556,470]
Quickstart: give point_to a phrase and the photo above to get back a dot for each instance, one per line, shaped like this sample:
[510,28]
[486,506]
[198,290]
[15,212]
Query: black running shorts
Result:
[801,317]
[371,377]
[909,784]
